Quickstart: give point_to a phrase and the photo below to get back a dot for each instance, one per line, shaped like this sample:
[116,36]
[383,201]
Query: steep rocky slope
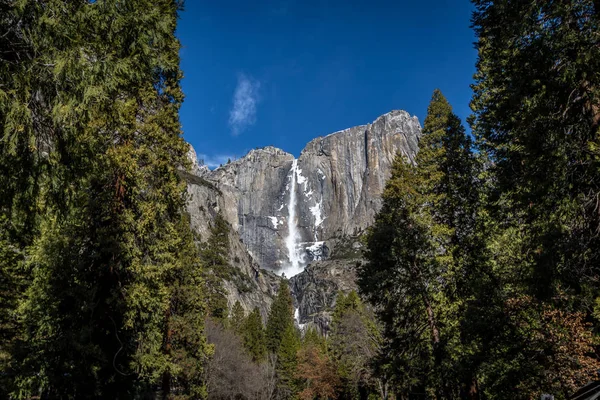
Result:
[251,286]
[307,214]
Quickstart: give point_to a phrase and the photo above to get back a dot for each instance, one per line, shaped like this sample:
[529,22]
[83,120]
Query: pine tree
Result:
[287,362]
[237,318]
[112,305]
[354,344]
[25,82]
[253,334]
[537,117]
[215,253]
[312,338]
[283,340]
[415,253]
[281,316]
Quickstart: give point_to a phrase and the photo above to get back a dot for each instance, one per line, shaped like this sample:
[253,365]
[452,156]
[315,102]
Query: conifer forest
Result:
[127,273]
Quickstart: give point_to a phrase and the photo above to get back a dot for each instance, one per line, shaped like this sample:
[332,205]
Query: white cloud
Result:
[214,161]
[245,100]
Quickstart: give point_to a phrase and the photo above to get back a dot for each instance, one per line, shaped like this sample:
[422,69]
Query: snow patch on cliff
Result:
[316,211]
[302,179]
[275,221]
[315,251]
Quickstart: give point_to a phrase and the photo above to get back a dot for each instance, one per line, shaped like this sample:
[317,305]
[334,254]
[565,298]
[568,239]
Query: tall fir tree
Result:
[215,253]
[415,254]
[537,108]
[537,117]
[237,317]
[281,316]
[287,362]
[253,334]
[283,340]
[112,304]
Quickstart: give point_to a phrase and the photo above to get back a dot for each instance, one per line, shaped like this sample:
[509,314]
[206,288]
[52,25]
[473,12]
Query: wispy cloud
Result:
[245,99]
[214,161]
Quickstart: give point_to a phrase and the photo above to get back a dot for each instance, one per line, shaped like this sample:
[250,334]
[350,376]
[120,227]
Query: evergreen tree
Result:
[287,362]
[215,253]
[281,316]
[312,338]
[355,344]
[253,334]
[90,191]
[283,340]
[537,117]
[415,254]
[237,318]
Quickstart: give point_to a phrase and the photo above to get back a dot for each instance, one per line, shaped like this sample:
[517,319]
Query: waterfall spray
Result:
[296,261]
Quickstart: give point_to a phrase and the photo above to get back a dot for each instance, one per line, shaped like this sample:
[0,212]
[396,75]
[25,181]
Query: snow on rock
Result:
[321,174]
[317,214]
[302,179]
[317,251]
[275,221]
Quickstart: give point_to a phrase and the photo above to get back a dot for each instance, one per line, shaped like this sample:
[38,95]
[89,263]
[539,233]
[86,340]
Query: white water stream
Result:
[296,260]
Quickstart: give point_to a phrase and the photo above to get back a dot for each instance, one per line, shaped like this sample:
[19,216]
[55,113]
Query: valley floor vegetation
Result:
[481,275]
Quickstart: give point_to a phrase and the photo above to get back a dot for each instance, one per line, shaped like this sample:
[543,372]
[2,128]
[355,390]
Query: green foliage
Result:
[415,253]
[287,361]
[282,339]
[537,115]
[253,334]
[536,118]
[344,304]
[109,300]
[312,338]
[355,344]
[281,316]
[215,253]
[237,316]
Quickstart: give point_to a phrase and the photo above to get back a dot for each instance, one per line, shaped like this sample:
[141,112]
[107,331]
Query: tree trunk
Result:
[595,108]
[471,390]
[435,333]
[166,378]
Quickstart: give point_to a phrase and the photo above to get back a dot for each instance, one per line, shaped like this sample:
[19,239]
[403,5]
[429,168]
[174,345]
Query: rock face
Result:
[315,290]
[339,180]
[254,193]
[346,173]
[288,213]
[253,286]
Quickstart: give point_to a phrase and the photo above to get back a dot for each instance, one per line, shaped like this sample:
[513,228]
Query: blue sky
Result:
[283,72]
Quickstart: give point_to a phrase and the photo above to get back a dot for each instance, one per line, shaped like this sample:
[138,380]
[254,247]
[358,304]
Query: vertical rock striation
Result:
[345,173]
[289,213]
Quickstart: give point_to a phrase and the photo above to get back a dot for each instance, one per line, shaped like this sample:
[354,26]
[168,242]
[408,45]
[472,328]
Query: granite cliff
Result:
[287,214]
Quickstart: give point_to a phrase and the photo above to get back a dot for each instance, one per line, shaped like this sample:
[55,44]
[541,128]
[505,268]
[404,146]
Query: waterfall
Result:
[296,261]
[297,319]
